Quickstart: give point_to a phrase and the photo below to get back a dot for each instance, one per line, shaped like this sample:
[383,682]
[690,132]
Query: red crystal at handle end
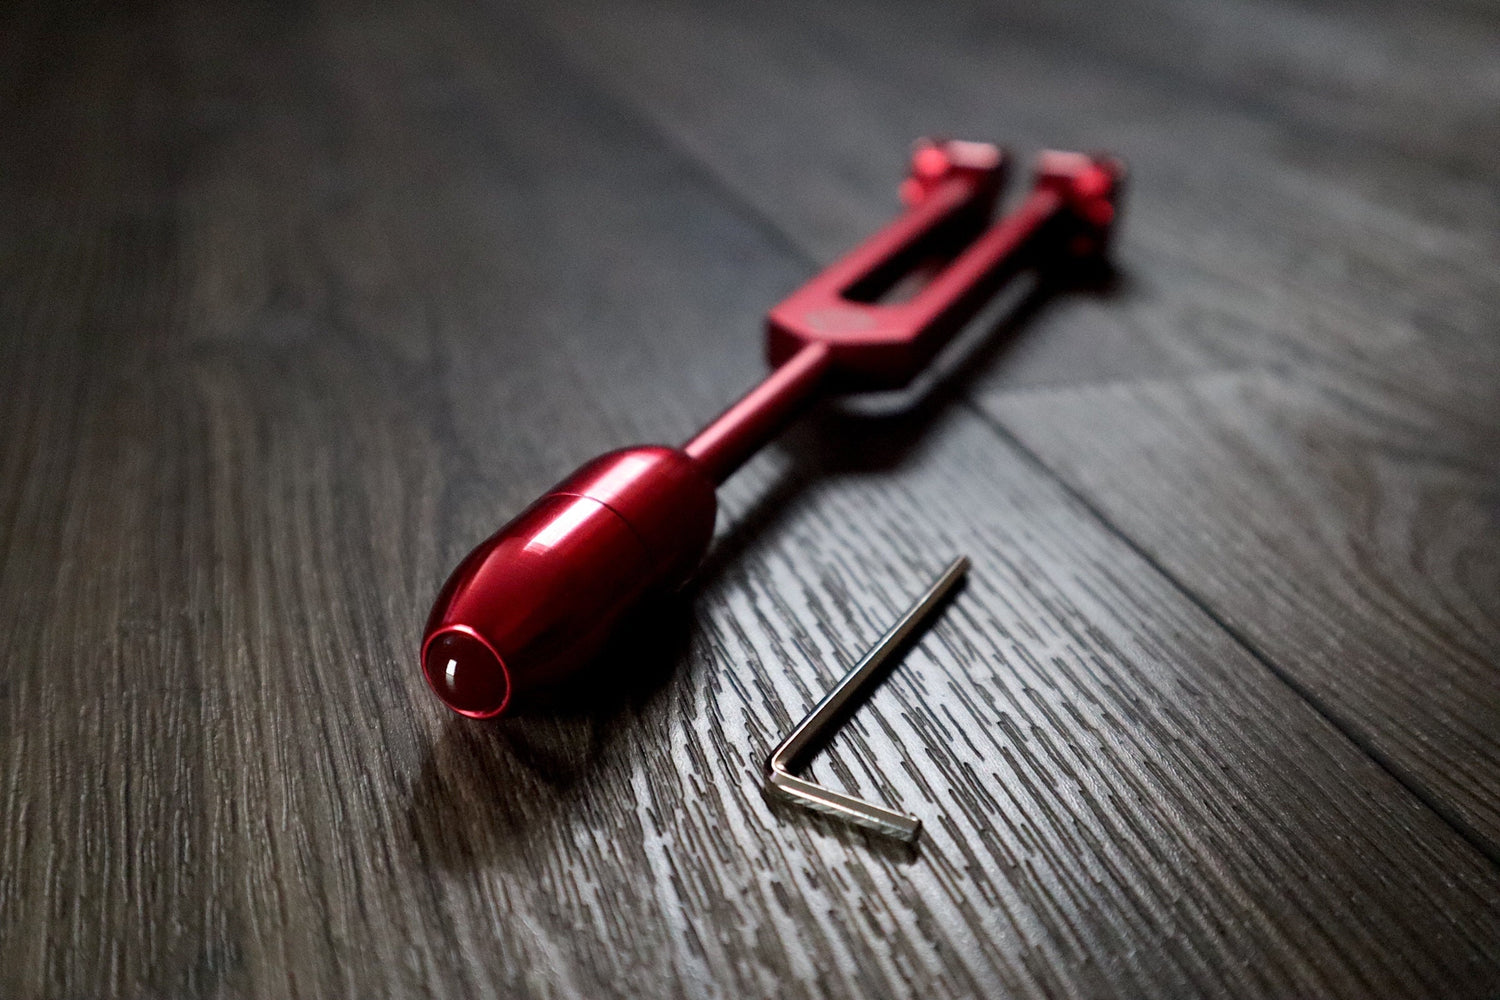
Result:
[465,671]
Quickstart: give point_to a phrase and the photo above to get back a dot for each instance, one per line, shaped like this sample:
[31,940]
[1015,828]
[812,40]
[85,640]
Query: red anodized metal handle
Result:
[539,597]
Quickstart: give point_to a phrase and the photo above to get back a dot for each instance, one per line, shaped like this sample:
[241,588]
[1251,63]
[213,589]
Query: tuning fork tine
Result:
[823,720]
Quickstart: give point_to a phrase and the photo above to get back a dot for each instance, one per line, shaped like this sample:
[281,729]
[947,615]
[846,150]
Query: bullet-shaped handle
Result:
[542,594]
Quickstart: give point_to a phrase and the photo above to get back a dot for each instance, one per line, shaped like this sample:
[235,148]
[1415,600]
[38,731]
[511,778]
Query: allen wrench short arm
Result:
[823,719]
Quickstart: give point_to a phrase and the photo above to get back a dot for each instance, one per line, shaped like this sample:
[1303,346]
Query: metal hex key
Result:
[783,784]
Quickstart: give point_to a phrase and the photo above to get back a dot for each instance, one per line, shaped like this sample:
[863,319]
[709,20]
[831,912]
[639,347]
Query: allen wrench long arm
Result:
[823,720]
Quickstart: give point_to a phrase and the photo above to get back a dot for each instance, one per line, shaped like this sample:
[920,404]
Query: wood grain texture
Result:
[1279,232]
[297,305]
[1375,581]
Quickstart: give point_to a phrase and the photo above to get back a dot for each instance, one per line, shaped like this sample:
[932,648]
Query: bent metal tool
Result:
[538,599]
[823,719]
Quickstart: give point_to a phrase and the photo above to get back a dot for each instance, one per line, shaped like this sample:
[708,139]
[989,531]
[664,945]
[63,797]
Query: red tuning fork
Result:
[537,599]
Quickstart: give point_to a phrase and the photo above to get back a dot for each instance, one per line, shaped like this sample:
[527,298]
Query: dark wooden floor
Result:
[298,302]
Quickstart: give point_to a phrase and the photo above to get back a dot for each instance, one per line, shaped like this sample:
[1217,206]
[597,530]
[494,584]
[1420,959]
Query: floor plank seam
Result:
[1475,839]
[628,110]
